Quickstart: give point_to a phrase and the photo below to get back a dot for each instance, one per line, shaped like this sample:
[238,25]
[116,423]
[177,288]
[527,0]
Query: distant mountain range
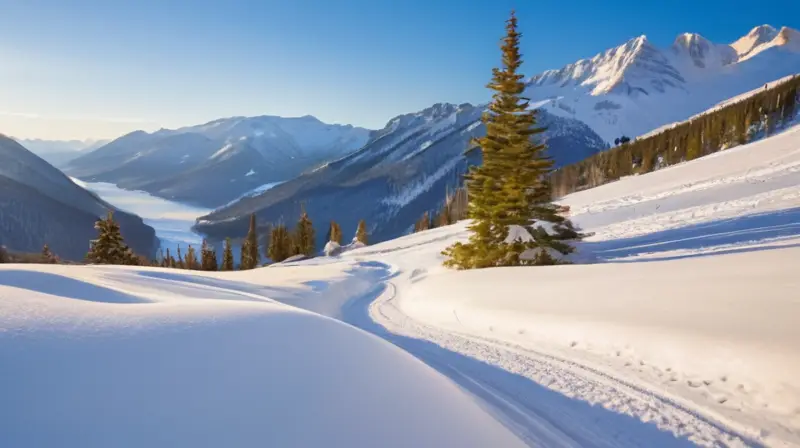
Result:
[40,205]
[217,162]
[404,170]
[60,152]
[637,87]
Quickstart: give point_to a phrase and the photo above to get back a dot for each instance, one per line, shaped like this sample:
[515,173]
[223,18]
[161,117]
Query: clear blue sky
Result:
[91,68]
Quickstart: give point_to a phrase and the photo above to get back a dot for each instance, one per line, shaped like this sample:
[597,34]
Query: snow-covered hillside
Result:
[690,323]
[685,333]
[636,87]
[98,357]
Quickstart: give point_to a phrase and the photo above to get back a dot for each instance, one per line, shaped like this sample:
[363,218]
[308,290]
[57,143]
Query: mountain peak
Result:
[789,37]
[763,31]
[758,36]
[692,49]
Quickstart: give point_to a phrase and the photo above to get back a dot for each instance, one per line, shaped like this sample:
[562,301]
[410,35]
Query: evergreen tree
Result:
[227,256]
[48,256]
[109,247]
[208,257]
[361,232]
[179,262]
[304,236]
[335,233]
[170,262]
[191,259]
[510,187]
[424,223]
[250,255]
[280,243]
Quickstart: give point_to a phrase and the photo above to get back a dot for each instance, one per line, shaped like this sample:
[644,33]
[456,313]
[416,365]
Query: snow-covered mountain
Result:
[60,152]
[404,170]
[636,87]
[216,162]
[40,205]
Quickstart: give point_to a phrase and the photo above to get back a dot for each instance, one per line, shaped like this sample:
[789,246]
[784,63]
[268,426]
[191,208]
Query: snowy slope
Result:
[703,346]
[637,87]
[98,357]
[685,335]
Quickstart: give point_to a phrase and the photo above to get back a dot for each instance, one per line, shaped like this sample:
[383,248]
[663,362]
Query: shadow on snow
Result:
[723,235]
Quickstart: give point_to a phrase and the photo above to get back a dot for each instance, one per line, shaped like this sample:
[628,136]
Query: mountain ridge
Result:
[228,156]
[636,87]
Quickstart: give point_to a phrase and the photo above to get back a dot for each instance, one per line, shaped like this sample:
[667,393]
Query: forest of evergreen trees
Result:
[281,243]
[737,123]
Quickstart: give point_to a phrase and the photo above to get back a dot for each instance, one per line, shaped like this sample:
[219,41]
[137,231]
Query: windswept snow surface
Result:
[685,334]
[690,325]
[113,356]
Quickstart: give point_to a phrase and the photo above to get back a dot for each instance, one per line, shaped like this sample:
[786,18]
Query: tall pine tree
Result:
[361,232]
[510,187]
[208,257]
[250,255]
[227,256]
[191,259]
[280,243]
[304,236]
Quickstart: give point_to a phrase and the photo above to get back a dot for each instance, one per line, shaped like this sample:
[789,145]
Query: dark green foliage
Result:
[509,188]
[734,124]
[4,257]
[250,254]
[281,244]
[169,261]
[109,247]
[191,259]
[424,223]
[361,232]
[48,256]
[304,236]
[208,257]
[180,264]
[335,233]
[227,256]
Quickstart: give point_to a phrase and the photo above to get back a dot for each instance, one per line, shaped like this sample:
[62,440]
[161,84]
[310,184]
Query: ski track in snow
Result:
[544,399]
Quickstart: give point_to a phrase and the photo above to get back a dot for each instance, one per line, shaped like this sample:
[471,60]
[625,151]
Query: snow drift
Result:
[146,357]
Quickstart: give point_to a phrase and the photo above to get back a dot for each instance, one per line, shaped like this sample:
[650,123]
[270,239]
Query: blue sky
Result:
[98,69]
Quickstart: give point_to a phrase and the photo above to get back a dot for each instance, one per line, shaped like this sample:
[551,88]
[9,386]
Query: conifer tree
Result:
[48,256]
[179,262]
[280,243]
[169,260]
[361,232]
[208,257]
[227,256]
[304,236]
[109,247]
[250,255]
[191,259]
[510,188]
[335,233]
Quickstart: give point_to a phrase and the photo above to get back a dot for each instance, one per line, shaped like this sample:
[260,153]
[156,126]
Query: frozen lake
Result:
[172,220]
